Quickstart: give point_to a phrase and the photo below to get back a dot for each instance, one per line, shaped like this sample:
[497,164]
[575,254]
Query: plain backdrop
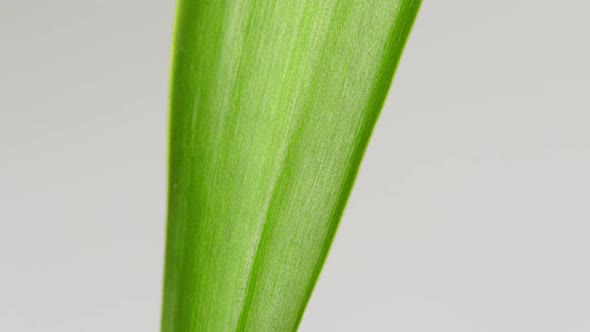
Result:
[471,212]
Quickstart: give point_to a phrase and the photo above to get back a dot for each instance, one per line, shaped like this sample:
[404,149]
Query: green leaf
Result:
[272,106]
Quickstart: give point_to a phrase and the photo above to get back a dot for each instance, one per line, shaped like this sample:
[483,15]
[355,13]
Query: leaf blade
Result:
[272,106]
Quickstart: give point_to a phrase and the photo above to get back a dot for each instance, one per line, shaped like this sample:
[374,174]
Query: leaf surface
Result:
[272,106]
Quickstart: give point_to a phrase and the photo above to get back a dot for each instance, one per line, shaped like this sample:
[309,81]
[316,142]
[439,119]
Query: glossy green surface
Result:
[272,106]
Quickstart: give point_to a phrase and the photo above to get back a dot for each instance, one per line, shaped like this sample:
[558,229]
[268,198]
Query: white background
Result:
[471,211]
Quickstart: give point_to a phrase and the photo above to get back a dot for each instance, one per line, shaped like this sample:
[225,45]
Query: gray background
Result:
[470,213]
